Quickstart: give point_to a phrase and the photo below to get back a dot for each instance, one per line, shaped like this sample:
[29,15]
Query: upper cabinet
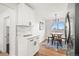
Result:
[25,15]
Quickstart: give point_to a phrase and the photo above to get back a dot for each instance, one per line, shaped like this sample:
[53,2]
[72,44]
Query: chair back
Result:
[60,37]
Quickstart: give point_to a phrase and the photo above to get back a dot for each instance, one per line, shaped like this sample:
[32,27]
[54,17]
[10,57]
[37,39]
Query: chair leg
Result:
[48,39]
[57,44]
[52,41]
[60,42]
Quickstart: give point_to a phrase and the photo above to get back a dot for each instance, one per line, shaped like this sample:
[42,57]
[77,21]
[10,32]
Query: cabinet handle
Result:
[35,43]
[31,40]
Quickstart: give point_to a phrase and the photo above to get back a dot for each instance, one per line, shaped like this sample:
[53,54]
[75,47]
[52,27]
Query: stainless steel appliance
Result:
[74,46]
[77,29]
[68,38]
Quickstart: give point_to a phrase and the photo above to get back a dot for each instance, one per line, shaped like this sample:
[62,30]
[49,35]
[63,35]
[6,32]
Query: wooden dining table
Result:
[57,37]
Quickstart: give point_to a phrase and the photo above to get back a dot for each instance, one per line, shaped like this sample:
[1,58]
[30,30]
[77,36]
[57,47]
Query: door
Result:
[9,18]
[6,33]
[68,39]
[7,39]
[30,49]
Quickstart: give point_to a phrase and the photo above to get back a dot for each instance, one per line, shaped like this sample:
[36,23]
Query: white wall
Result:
[48,29]
[1,33]
[12,14]
[46,12]
[41,33]
[3,23]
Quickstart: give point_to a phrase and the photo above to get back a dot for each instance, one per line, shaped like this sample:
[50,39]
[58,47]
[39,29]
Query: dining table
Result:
[58,38]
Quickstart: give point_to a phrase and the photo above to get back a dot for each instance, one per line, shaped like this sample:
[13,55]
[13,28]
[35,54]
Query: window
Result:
[58,25]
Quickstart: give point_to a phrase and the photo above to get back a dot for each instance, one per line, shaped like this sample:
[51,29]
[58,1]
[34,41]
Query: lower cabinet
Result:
[32,46]
[28,46]
[36,45]
[22,47]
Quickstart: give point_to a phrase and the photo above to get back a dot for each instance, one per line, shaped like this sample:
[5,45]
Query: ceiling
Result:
[2,8]
[47,10]
[52,6]
[5,6]
[43,10]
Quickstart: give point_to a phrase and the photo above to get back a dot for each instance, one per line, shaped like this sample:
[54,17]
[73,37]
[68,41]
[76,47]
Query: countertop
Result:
[30,36]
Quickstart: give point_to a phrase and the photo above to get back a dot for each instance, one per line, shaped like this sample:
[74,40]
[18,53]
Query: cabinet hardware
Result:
[31,40]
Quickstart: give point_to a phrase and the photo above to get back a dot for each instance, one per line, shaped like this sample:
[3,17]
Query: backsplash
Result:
[22,29]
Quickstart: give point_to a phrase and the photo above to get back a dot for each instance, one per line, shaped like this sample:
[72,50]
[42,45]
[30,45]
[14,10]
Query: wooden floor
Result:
[49,52]
[4,54]
[44,51]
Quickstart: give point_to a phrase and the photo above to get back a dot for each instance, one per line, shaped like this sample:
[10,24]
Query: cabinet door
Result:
[21,42]
[22,47]
[30,47]
[20,14]
[36,45]
[25,14]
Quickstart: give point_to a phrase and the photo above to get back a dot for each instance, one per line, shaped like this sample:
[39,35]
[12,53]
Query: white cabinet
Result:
[20,15]
[22,47]
[25,14]
[33,45]
[26,45]
[30,46]
[36,44]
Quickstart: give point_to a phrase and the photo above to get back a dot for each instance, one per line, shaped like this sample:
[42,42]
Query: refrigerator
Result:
[77,29]
[70,30]
[69,40]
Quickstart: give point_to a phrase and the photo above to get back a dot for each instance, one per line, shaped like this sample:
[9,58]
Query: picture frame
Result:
[41,25]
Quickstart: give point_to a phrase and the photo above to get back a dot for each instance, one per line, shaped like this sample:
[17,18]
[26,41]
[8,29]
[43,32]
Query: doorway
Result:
[7,39]
[6,33]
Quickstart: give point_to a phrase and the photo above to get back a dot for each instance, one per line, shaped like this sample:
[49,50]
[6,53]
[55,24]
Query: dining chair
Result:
[52,39]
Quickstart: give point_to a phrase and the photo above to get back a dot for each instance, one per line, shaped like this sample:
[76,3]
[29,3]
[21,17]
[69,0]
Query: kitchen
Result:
[29,25]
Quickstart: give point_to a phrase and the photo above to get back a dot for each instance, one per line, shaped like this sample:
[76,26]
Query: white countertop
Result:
[31,36]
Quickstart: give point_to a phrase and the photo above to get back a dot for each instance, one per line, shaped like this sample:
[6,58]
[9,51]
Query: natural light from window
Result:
[58,25]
